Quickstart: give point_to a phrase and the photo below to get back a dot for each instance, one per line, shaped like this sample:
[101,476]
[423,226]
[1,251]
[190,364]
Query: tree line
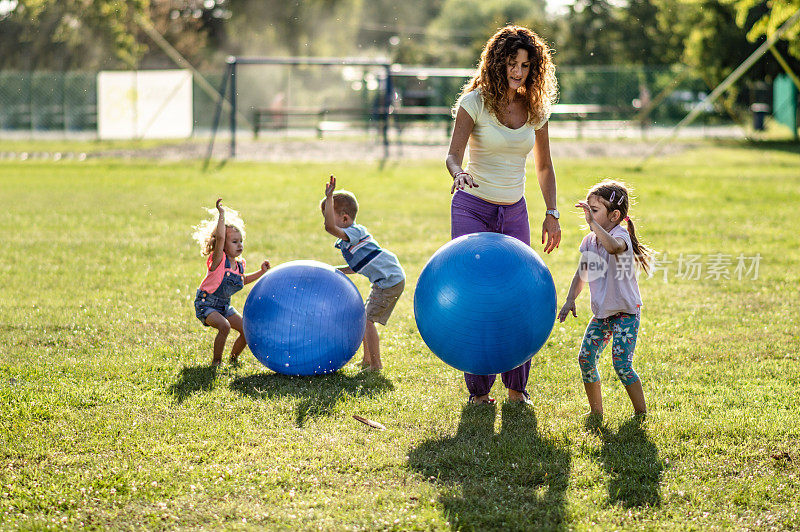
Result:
[710,36]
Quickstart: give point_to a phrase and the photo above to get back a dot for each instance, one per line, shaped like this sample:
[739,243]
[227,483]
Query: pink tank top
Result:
[214,277]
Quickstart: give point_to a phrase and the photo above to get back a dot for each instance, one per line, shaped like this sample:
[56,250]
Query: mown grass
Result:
[111,418]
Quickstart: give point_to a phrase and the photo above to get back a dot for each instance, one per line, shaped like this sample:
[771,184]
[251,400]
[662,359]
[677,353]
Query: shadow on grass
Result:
[788,146]
[194,379]
[318,395]
[513,480]
[631,460]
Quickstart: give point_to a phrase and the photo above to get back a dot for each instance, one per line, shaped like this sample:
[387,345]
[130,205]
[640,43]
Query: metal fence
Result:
[67,101]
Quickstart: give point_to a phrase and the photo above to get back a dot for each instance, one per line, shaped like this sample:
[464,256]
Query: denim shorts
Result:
[205,304]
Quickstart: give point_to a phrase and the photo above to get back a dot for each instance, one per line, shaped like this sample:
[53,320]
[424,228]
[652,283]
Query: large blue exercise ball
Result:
[485,303]
[304,318]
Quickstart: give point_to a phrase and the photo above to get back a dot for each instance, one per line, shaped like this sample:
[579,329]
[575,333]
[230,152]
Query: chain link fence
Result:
[67,101]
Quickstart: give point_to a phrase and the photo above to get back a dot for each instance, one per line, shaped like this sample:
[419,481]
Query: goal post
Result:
[314,88]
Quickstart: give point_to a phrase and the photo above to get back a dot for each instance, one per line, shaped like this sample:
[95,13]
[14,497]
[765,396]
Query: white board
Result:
[148,104]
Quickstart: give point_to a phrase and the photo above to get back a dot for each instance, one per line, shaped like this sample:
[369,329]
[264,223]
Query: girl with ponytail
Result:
[610,255]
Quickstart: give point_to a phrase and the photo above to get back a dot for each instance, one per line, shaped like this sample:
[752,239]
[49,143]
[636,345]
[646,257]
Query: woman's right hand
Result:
[219,205]
[461,180]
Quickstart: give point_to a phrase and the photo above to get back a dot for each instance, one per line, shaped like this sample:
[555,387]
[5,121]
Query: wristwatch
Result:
[553,212]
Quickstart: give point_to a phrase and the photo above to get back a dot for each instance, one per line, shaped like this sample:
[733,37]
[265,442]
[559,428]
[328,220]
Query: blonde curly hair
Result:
[205,232]
[540,88]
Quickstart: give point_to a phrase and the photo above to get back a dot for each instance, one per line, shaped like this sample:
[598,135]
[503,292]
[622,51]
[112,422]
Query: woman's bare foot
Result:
[481,400]
[518,397]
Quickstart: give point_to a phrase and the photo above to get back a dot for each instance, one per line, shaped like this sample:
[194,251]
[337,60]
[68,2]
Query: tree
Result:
[715,34]
[721,35]
[295,27]
[458,34]
[95,34]
[195,28]
[70,33]
[644,40]
[589,34]
[772,16]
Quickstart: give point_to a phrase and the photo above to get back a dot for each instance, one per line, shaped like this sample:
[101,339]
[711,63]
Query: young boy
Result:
[363,255]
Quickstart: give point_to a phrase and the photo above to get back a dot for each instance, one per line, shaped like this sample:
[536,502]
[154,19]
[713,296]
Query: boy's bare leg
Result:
[595,396]
[218,321]
[240,343]
[372,346]
[365,361]
[636,394]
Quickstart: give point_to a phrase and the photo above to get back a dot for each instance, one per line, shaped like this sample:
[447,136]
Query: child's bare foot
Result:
[593,421]
[216,362]
[234,360]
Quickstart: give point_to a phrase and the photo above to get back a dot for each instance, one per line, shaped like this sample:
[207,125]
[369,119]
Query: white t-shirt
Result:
[612,278]
[497,153]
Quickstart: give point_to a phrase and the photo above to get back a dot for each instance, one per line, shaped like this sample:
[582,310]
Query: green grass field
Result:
[111,418]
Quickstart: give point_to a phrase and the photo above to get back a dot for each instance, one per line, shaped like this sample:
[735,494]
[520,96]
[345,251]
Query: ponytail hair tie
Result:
[627,219]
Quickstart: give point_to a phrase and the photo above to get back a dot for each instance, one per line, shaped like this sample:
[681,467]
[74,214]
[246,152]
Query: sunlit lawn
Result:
[111,418]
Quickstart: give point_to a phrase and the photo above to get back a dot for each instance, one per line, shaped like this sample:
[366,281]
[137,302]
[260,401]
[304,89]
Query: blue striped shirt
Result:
[363,254]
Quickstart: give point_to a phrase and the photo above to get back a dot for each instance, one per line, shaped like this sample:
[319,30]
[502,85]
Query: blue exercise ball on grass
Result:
[485,303]
[304,318]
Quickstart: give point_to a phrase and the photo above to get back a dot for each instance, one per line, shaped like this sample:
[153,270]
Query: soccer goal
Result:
[292,95]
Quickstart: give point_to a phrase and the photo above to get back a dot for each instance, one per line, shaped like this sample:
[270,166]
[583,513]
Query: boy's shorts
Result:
[381,302]
[205,304]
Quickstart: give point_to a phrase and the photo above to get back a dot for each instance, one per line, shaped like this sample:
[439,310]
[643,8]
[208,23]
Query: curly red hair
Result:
[540,89]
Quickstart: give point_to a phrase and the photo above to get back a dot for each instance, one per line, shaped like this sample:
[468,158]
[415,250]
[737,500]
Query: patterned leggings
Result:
[624,327]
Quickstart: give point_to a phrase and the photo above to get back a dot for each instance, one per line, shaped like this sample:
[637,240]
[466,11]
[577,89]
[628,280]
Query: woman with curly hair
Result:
[503,114]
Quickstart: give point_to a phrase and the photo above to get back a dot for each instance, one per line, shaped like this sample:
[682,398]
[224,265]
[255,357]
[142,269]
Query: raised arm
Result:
[330,214]
[219,240]
[458,145]
[611,244]
[546,175]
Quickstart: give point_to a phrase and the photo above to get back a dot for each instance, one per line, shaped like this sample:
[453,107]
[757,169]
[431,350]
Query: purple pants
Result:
[470,214]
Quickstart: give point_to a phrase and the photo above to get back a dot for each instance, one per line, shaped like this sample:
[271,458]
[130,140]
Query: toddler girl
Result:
[222,241]
[609,256]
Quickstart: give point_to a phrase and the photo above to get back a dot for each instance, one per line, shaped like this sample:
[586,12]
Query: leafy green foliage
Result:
[50,33]
[777,12]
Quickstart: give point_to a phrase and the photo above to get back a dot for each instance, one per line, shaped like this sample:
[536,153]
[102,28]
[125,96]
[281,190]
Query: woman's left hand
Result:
[552,229]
